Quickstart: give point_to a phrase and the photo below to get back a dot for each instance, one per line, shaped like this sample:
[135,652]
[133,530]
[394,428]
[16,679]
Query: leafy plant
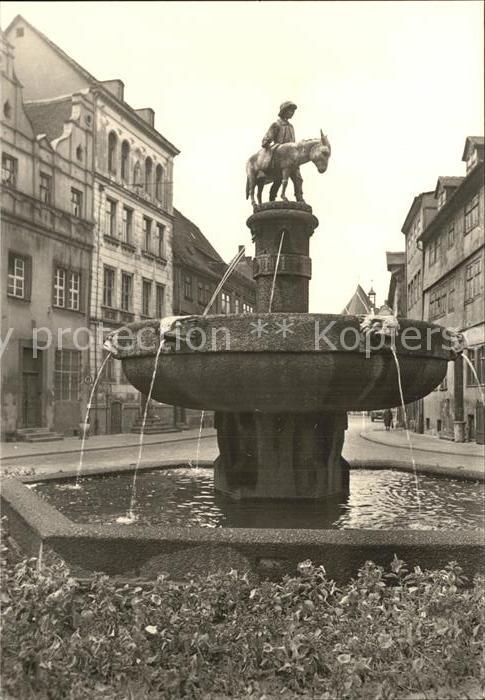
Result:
[386,634]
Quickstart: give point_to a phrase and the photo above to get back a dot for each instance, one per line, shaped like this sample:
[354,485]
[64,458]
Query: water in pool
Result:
[184,497]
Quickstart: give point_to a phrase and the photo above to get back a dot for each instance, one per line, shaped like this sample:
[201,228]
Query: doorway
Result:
[31,388]
[115,426]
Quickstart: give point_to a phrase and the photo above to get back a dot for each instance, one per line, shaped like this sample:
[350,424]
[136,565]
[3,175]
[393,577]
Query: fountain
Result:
[280,381]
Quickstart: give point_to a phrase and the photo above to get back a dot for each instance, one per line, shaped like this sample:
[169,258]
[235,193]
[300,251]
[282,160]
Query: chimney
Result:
[147,114]
[115,87]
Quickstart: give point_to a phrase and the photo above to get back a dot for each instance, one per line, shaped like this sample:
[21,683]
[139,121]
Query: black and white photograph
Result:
[242,350]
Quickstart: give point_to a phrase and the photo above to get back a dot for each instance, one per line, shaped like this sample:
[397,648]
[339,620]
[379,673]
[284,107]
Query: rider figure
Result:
[280,131]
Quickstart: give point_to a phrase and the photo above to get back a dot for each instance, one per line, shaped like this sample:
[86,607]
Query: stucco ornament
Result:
[383,322]
[457,341]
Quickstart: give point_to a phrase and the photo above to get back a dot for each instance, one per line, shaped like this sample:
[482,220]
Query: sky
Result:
[396,86]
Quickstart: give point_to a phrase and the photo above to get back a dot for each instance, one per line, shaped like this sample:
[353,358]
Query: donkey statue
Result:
[285,162]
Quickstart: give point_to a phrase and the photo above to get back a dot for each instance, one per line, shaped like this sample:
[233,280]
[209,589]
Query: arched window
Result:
[148,175]
[137,175]
[7,110]
[125,159]
[112,152]
[159,183]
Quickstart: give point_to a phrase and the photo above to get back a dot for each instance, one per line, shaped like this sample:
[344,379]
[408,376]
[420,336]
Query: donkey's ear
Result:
[322,137]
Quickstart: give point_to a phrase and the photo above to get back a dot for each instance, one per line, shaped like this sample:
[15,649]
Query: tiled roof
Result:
[190,246]
[49,117]
[359,304]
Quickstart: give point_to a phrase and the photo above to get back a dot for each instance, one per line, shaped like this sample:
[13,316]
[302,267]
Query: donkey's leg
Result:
[260,191]
[252,187]
[298,185]
[286,174]
[274,190]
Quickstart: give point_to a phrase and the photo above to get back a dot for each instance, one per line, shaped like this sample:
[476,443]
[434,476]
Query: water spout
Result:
[276,271]
[406,426]
[232,266]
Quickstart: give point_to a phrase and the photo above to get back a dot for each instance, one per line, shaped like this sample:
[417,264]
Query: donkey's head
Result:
[321,153]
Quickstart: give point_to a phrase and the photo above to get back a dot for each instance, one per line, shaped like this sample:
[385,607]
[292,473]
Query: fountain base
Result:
[283,455]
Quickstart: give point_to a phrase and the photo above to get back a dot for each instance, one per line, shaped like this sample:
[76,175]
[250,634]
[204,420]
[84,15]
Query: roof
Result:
[469,185]
[95,83]
[190,246]
[478,141]
[395,260]
[413,210]
[449,181]
[359,304]
[49,117]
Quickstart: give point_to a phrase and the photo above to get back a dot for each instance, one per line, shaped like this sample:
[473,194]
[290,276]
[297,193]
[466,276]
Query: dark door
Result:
[32,389]
[115,417]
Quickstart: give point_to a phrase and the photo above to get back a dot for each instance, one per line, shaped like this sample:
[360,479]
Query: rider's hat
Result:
[285,106]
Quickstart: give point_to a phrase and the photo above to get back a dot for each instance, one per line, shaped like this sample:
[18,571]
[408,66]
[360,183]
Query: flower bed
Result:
[383,635]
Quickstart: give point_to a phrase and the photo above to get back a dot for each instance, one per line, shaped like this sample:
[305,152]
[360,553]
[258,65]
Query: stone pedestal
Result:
[282,455]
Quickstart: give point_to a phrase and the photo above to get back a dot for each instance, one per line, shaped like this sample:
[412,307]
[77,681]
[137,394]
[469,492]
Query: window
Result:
[67,375]
[126,291]
[73,299]
[161,240]
[451,296]
[225,303]
[146,297]
[434,250]
[437,302]
[476,356]
[60,287]
[110,220]
[207,293]
[9,170]
[200,293]
[473,280]
[125,160]
[109,287]
[19,276]
[147,233]
[127,224]
[451,235]
[76,202]
[67,286]
[108,374]
[236,305]
[159,183]
[247,308]
[7,110]
[45,188]
[188,287]
[148,175]
[471,214]
[160,300]
[79,153]
[112,152]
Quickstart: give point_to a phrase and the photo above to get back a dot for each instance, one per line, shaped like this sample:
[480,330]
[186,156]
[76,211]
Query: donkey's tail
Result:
[247,188]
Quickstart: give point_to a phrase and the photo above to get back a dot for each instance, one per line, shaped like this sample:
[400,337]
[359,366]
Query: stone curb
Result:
[365,435]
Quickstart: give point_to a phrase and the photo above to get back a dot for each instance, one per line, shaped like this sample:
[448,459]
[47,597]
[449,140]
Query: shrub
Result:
[383,635]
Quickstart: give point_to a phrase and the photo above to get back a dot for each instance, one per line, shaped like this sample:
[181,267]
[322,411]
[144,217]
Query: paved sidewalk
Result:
[424,443]
[14,450]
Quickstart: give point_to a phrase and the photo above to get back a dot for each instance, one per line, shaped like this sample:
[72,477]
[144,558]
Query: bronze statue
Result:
[280,158]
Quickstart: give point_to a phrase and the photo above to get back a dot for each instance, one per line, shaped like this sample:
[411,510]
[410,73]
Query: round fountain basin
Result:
[184,497]
[276,363]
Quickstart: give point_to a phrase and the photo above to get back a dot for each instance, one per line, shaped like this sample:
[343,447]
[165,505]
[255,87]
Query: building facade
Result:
[419,216]
[198,269]
[453,295]
[132,170]
[47,243]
